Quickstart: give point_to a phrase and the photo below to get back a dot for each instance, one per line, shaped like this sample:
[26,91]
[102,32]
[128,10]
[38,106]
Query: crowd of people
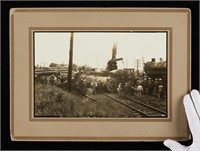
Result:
[52,79]
[79,86]
[143,86]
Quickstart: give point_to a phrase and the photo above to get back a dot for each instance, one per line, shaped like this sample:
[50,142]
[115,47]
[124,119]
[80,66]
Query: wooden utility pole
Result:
[137,67]
[70,62]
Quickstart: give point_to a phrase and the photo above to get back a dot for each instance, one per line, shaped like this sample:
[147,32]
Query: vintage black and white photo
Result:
[100,74]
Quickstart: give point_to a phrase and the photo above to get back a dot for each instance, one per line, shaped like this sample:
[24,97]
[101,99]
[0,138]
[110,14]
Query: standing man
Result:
[160,92]
[155,87]
[126,89]
[150,87]
[139,90]
[119,89]
[145,86]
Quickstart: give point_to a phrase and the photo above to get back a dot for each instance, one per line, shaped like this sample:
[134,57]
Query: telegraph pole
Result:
[70,62]
[137,66]
[126,62]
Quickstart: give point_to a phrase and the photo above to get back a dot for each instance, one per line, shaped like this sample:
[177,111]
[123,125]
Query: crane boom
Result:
[112,64]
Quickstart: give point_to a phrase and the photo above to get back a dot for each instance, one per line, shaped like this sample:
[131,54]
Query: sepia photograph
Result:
[81,74]
[100,74]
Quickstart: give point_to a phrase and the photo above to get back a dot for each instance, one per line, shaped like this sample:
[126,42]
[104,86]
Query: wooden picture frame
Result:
[24,21]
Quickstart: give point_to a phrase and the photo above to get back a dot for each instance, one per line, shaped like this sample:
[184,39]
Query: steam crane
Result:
[112,64]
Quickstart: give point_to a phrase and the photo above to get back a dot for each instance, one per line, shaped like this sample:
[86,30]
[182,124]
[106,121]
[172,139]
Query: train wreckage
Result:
[112,76]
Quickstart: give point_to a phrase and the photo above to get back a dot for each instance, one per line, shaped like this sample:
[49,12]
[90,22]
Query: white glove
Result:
[192,108]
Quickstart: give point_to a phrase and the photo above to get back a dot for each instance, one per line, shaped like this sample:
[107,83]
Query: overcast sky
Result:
[95,48]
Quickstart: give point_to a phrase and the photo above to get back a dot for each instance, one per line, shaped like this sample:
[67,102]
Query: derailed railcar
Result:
[106,82]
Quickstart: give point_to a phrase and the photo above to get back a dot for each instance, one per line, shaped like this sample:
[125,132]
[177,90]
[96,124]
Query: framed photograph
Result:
[99,74]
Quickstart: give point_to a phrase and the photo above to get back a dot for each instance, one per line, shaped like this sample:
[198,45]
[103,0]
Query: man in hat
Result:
[126,89]
[160,92]
[155,87]
[119,89]
[150,87]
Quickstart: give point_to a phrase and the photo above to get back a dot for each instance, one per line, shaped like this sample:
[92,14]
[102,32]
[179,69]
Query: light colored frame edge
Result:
[21,138]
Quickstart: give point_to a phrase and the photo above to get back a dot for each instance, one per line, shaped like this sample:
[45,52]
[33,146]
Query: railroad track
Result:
[143,109]
[127,112]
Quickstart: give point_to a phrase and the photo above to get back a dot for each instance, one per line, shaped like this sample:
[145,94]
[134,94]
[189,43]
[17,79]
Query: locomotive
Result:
[156,70]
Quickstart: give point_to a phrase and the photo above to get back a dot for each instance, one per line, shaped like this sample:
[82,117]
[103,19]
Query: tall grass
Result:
[53,101]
